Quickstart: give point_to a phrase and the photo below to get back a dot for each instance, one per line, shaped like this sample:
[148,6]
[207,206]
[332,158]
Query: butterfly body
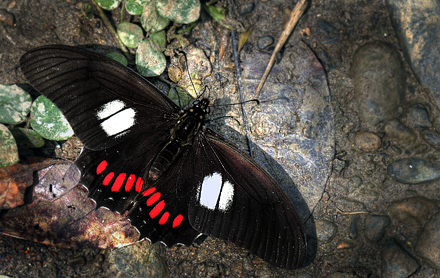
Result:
[143,157]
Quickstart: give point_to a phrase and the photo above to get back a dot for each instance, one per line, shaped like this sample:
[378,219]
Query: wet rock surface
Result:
[379,82]
[417,24]
[355,195]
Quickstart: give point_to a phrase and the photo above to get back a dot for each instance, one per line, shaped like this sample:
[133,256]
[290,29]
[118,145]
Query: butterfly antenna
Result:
[240,91]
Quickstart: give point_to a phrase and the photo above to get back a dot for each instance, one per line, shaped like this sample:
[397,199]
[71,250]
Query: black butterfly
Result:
[143,157]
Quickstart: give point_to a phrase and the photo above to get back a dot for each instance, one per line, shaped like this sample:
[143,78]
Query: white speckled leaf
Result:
[15,104]
[149,60]
[8,147]
[108,4]
[134,7]
[48,120]
[131,34]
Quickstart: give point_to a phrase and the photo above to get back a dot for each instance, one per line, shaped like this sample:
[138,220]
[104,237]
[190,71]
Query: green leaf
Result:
[15,104]
[150,61]
[131,34]
[8,148]
[159,38]
[118,57]
[179,97]
[134,7]
[217,13]
[151,21]
[108,4]
[179,11]
[48,120]
[27,138]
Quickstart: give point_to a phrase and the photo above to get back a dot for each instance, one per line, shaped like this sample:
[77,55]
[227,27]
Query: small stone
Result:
[265,42]
[413,210]
[397,130]
[354,228]
[354,183]
[325,230]
[396,262]
[413,170]
[379,83]
[428,245]
[367,141]
[431,137]
[418,116]
[375,226]
[246,8]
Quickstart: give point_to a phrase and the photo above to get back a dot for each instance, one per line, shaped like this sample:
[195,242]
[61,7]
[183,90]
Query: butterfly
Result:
[158,165]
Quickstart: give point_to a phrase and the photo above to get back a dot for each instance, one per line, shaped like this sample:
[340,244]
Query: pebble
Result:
[354,183]
[396,262]
[416,24]
[399,131]
[412,210]
[413,170]
[265,42]
[379,83]
[431,137]
[367,141]
[428,245]
[417,116]
[246,8]
[325,230]
[375,226]
[354,228]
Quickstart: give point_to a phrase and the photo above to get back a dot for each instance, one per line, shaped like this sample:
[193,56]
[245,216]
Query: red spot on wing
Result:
[177,220]
[138,186]
[101,167]
[118,182]
[164,218]
[148,191]
[108,178]
[153,198]
[157,209]
[130,182]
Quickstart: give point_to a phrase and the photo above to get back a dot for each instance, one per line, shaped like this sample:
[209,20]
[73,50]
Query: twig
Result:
[110,27]
[294,18]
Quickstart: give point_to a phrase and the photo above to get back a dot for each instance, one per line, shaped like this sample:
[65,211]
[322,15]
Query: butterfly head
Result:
[201,107]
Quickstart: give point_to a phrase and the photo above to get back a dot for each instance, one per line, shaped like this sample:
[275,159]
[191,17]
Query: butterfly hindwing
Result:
[236,200]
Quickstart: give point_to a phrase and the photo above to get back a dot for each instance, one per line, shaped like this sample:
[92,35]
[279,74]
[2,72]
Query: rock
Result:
[417,24]
[396,262]
[413,210]
[431,137]
[325,230]
[418,116]
[246,8]
[265,42]
[397,130]
[428,245]
[367,141]
[379,83]
[413,170]
[375,226]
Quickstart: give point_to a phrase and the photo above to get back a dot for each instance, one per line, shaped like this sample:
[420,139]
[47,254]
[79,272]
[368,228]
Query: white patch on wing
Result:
[119,122]
[110,108]
[214,190]
[226,196]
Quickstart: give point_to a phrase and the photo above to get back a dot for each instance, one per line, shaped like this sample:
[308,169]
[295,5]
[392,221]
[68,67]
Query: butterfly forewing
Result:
[104,102]
[207,186]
